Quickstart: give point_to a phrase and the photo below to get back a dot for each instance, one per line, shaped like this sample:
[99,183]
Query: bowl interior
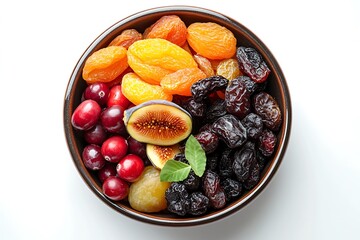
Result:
[277,87]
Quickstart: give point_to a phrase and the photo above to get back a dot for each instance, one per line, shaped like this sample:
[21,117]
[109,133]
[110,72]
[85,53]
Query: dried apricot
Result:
[105,64]
[180,81]
[228,68]
[211,40]
[170,27]
[153,59]
[205,65]
[138,91]
[126,38]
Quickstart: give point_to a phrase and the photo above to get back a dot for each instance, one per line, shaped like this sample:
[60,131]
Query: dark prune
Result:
[252,86]
[208,140]
[216,110]
[192,182]
[199,203]
[252,64]
[230,130]
[225,163]
[200,90]
[244,158]
[177,199]
[237,98]
[218,200]
[268,109]
[212,161]
[196,109]
[267,142]
[253,124]
[232,189]
[213,190]
[253,178]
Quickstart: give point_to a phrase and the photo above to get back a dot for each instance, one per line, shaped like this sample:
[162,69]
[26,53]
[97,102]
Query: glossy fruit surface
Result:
[92,157]
[116,97]
[112,119]
[86,115]
[115,188]
[98,92]
[114,149]
[130,167]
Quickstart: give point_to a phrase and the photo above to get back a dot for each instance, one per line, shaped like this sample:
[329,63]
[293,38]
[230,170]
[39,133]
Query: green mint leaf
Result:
[174,171]
[195,155]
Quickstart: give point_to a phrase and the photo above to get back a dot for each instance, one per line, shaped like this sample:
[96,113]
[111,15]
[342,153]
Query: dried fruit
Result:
[202,89]
[252,64]
[159,155]
[153,59]
[268,109]
[177,199]
[137,91]
[253,124]
[267,142]
[237,98]
[126,38]
[230,130]
[105,64]
[211,40]
[147,194]
[180,82]
[159,122]
[228,68]
[213,189]
[204,65]
[244,159]
[170,27]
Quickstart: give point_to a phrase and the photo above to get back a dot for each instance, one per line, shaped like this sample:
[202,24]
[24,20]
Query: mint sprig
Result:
[175,171]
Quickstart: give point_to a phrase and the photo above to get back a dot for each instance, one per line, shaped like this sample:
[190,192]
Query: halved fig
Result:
[159,155]
[158,122]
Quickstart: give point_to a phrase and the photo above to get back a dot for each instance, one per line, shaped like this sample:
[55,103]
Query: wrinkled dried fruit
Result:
[267,142]
[153,59]
[204,65]
[268,109]
[237,98]
[228,68]
[170,27]
[202,89]
[252,64]
[253,124]
[105,64]
[244,160]
[211,40]
[159,122]
[137,91]
[230,130]
[180,82]
[126,38]
[159,155]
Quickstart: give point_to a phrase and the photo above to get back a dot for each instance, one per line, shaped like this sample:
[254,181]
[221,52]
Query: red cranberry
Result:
[92,157]
[108,170]
[115,188]
[137,148]
[95,135]
[86,115]
[98,92]
[130,167]
[116,97]
[114,149]
[112,119]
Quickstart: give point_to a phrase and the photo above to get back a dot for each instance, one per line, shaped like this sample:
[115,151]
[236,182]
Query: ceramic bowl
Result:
[277,87]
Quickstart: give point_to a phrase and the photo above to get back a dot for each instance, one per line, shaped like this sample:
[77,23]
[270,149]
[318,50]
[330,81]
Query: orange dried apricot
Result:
[126,38]
[211,40]
[180,81]
[105,64]
[170,27]
[205,65]
[228,68]
[152,59]
[138,91]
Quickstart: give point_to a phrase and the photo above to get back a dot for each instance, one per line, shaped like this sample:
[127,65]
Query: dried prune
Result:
[244,159]
[252,64]
[232,189]
[177,199]
[254,177]
[212,161]
[208,140]
[267,142]
[216,110]
[192,182]
[253,124]
[230,130]
[218,200]
[252,86]
[237,98]
[201,89]
[213,190]
[268,109]
[225,163]
[199,203]
[195,108]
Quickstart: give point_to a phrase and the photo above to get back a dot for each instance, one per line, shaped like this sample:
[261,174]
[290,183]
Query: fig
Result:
[158,122]
[158,155]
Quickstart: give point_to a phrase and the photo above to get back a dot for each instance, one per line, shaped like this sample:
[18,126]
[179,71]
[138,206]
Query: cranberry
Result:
[112,119]
[98,92]
[114,149]
[115,188]
[116,97]
[130,167]
[86,115]
[137,148]
[92,157]
[108,170]
[95,135]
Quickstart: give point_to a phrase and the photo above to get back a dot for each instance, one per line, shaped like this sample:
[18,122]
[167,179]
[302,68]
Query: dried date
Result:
[268,109]
[201,89]
[230,130]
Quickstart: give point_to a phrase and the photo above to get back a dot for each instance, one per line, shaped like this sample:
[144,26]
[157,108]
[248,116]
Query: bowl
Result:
[277,87]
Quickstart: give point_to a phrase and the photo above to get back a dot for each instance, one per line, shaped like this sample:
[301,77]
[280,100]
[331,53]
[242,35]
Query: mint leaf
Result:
[195,155]
[174,171]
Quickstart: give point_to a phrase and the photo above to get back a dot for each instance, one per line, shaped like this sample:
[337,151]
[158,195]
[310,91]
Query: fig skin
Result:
[159,155]
[158,122]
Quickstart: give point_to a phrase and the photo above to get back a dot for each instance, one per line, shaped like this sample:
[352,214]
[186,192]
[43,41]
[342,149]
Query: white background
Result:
[314,195]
